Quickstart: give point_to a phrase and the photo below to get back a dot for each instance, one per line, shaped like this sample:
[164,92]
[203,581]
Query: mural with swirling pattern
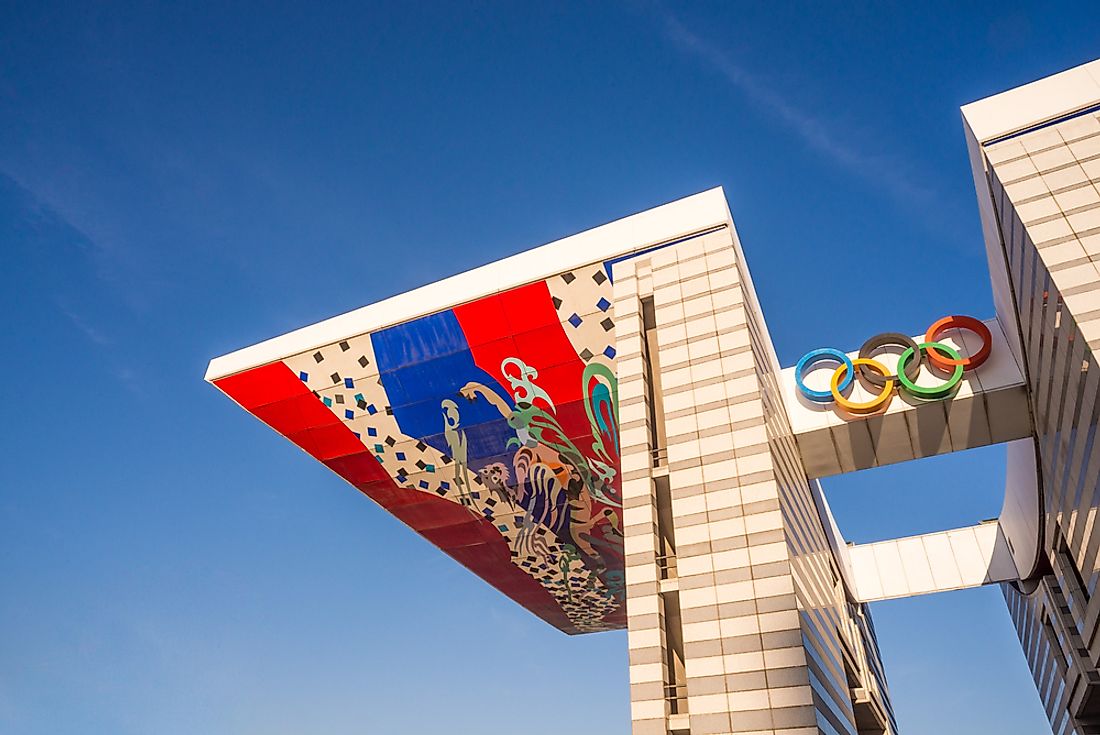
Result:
[491,428]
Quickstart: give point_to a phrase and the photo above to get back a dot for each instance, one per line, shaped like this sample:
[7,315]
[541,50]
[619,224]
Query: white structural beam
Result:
[623,237]
[1032,104]
[934,562]
[989,407]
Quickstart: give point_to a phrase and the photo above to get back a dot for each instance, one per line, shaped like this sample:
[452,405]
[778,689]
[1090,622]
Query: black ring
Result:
[912,370]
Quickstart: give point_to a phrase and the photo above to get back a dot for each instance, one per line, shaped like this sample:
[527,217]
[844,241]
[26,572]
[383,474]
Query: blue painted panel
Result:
[421,339]
[427,361]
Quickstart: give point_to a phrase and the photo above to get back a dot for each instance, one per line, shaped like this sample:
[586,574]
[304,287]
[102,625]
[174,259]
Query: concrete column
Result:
[1043,189]
[649,670]
[752,576]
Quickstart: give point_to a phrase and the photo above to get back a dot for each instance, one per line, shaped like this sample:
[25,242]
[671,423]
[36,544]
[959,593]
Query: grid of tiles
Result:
[1047,631]
[745,666]
[837,635]
[770,640]
[490,428]
[1045,191]
[646,621]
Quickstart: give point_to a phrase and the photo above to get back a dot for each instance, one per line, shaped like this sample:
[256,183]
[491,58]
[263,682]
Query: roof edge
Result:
[615,239]
[1036,103]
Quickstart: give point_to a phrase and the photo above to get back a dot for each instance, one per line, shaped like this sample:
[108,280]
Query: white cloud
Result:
[885,172]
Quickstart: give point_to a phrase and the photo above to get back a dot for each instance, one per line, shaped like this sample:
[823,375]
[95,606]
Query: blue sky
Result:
[177,183]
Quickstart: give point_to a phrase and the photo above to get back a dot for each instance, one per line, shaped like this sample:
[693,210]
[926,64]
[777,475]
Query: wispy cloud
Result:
[77,273]
[93,333]
[886,172]
[131,379]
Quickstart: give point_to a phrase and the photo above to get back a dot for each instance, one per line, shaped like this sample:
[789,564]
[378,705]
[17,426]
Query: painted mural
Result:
[490,428]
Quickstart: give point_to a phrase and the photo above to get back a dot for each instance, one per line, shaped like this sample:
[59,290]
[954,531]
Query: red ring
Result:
[959,322]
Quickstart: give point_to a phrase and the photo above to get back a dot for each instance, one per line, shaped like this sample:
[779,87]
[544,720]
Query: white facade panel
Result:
[934,562]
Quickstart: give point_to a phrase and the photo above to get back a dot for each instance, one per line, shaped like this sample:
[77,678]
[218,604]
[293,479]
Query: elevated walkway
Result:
[988,407]
[932,562]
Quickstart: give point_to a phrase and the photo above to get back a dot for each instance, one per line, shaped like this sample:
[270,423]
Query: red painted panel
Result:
[275,395]
[262,385]
[541,343]
[360,469]
[431,512]
[294,414]
[535,342]
[493,563]
[328,442]
[528,307]
[472,533]
[483,320]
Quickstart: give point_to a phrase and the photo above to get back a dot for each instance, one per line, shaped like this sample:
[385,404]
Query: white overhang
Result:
[638,232]
[1033,104]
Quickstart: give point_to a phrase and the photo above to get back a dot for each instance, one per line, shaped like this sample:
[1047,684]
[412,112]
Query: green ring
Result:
[940,391]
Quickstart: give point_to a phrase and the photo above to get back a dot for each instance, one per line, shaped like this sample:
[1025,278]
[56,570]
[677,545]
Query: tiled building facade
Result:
[1043,185]
[739,621]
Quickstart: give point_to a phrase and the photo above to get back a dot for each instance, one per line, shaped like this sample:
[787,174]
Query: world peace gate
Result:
[600,429]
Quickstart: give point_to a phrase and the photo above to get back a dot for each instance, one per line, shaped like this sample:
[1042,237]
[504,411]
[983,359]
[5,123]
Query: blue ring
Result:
[815,356]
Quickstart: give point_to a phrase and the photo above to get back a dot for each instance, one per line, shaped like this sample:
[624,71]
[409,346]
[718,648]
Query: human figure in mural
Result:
[456,441]
[560,487]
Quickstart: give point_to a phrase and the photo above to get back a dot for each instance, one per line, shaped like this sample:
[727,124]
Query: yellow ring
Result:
[879,401]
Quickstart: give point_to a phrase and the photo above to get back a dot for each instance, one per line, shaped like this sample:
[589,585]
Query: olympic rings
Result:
[960,322]
[940,390]
[815,356]
[882,340]
[880,401]
[875,375]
